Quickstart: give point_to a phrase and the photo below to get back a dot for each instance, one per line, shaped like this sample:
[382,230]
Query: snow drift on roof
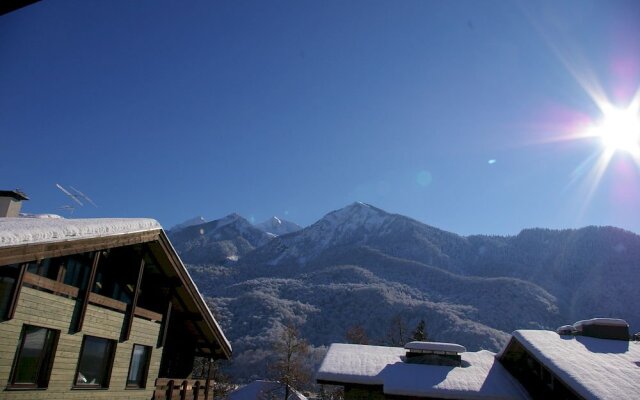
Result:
[17,231]
[601,321]
[594,368]
[481,377]
[435,346]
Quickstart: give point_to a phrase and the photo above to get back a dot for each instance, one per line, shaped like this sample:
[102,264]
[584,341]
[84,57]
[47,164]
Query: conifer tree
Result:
[420,333]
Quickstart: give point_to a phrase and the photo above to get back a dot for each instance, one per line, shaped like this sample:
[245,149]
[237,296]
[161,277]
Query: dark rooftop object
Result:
[16,194]
[603,328]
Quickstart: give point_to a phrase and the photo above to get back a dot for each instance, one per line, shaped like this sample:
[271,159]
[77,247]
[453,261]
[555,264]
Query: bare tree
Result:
[221,382]
[289,367]
[397,333]
[357,335]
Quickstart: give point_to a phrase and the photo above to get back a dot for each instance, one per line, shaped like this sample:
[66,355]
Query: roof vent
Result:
[11,202]
[434,353]
[603,328]
[566,330]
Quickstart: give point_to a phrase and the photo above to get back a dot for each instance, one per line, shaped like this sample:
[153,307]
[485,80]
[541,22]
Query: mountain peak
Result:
[278,226]
[357,213]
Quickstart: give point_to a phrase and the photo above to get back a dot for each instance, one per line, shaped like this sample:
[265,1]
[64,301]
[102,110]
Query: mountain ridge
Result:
[360,264]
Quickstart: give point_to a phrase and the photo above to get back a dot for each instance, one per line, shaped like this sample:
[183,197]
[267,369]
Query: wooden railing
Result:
[182,389]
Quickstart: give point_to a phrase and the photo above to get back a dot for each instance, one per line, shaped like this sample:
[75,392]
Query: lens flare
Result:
[619,130]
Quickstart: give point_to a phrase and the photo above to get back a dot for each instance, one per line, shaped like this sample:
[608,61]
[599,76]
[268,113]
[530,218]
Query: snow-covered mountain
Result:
[220,241]
[361,224]
[278,226]
[363,266]
[190,222]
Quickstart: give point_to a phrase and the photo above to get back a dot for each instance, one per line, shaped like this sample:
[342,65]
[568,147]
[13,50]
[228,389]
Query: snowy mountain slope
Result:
[278,226]
[218,241]
[325,303]
[363,265]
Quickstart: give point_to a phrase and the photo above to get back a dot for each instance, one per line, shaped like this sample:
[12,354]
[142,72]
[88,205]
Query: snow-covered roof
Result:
[264,390]
[18,231]
[481,376]
[594,368]
[435,346]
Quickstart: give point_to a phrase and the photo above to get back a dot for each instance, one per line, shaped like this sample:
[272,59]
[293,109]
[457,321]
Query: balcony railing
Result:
[183,389]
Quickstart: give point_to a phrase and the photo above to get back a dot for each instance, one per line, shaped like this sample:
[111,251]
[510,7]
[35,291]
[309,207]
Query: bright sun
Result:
[619,130]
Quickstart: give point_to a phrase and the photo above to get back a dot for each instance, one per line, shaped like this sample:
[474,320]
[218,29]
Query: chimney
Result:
[434,353]
[11,202]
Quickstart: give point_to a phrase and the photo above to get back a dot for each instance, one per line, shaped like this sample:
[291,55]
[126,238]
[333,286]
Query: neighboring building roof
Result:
[593,368]
[480,377]
[22,238]
[264,390]
[16,194]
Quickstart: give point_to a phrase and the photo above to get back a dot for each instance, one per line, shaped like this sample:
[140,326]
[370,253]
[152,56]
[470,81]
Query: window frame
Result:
[43,371]
[108,367]
[147,365]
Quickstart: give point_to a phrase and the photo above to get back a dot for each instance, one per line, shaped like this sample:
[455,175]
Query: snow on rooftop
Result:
[17,231]
[594,368]
[601,321]
[435,346]
[481,377]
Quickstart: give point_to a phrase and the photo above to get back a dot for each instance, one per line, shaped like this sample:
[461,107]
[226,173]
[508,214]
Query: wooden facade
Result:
[112,294]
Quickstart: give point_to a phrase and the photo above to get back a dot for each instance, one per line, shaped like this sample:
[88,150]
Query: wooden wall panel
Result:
[51,311]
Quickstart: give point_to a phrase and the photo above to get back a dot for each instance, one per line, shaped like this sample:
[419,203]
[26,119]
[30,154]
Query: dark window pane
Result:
[95,362]
[35,356]
[8,275]
[117,272]
[139,366]
[78,268]
[48,267]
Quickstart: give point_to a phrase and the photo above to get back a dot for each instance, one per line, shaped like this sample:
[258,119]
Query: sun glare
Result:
[619,130]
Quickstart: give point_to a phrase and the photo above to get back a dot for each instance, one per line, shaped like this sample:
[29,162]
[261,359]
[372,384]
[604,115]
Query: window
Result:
[94,366]
[8,276]
[139,366]
[117,273]
[32,365]
[72,270]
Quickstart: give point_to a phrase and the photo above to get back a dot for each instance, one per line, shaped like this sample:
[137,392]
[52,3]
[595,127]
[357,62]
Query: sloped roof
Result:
[25,239]
[593,368]
[480,377]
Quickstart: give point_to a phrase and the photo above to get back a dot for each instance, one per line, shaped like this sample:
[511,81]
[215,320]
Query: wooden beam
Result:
[148,314]
[108,302]
[38,251]
[165,326]
[49,284]
[84,296]
[15,296]
[131,311]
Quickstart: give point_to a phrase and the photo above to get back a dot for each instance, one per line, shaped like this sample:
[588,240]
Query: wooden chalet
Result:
[100,309]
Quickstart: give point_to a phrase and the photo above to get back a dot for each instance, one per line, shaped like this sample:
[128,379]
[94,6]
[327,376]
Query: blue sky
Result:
[171,109]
